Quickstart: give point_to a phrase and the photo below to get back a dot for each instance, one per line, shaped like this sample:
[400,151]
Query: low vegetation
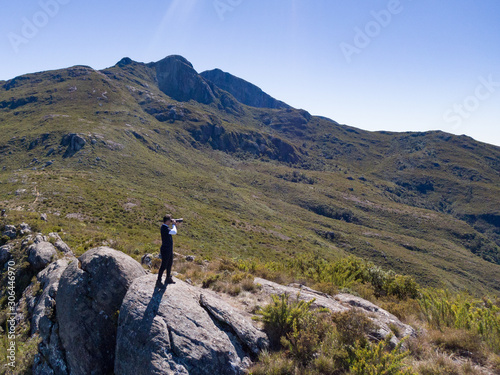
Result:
[457,333]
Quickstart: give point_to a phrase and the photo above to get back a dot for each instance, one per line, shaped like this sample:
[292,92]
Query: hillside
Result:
[106,153]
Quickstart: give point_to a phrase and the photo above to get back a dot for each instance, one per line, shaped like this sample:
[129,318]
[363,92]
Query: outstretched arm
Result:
[173,230]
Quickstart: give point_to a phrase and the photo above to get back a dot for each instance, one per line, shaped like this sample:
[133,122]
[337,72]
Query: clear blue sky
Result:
[398,65]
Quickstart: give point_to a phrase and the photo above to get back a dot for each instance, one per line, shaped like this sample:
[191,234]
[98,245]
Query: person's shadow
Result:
[145,330]
[153,305]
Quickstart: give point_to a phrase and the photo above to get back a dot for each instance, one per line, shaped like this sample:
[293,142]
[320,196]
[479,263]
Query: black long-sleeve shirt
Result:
[166,236]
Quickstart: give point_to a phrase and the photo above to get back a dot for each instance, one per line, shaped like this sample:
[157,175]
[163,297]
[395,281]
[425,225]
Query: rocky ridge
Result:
[244,91]
[102,312]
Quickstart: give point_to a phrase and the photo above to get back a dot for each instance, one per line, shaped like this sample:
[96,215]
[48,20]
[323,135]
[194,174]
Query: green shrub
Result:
[210,280]
[304,340]
[281,316]
[352,327]
[378,359]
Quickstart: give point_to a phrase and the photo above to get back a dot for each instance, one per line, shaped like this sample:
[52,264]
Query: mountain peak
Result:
[178,79]
[175,58]
[125,61]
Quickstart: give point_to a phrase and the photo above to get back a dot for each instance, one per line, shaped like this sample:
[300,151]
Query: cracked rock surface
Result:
[184,330]
[91,290]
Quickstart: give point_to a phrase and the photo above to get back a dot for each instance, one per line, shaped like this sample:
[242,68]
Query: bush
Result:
[379,359]
[304,342]
[352,327]
[210,279]
[281,316]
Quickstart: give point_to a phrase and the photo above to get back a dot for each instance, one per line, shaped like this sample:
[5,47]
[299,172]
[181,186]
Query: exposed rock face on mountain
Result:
[90,294]
[183,330]
[178,79]
[73,142]
[254,143]
[245,92]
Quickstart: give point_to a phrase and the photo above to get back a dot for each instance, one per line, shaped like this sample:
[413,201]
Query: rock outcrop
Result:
[5,254]
[178,79]
[182,329]
[51,358]
[102,313]
[252,143]
[60,245]
[244,91]
[40,254]
[73,142]
[90,294]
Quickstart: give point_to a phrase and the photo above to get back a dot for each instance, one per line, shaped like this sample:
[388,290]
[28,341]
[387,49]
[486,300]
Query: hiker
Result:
[167,249]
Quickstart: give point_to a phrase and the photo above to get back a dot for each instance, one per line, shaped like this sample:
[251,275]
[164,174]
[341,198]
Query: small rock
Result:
[190,258]
[43,217]
[147,259]
[5,253]
[25,229]
[61,245]
[40,238]
[41,254]
[10,231]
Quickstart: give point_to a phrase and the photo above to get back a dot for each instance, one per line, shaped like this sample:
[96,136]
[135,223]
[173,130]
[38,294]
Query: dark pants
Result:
[167,258]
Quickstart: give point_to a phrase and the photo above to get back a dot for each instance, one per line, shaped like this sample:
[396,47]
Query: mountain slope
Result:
[107,153]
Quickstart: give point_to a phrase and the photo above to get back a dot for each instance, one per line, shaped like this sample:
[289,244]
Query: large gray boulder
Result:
[40,254]
[44,304]
[42,307]
[90,294]
[73,142]
[182,330]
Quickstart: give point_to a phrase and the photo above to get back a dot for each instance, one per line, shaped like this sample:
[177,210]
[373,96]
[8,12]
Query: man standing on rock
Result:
[167,249]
